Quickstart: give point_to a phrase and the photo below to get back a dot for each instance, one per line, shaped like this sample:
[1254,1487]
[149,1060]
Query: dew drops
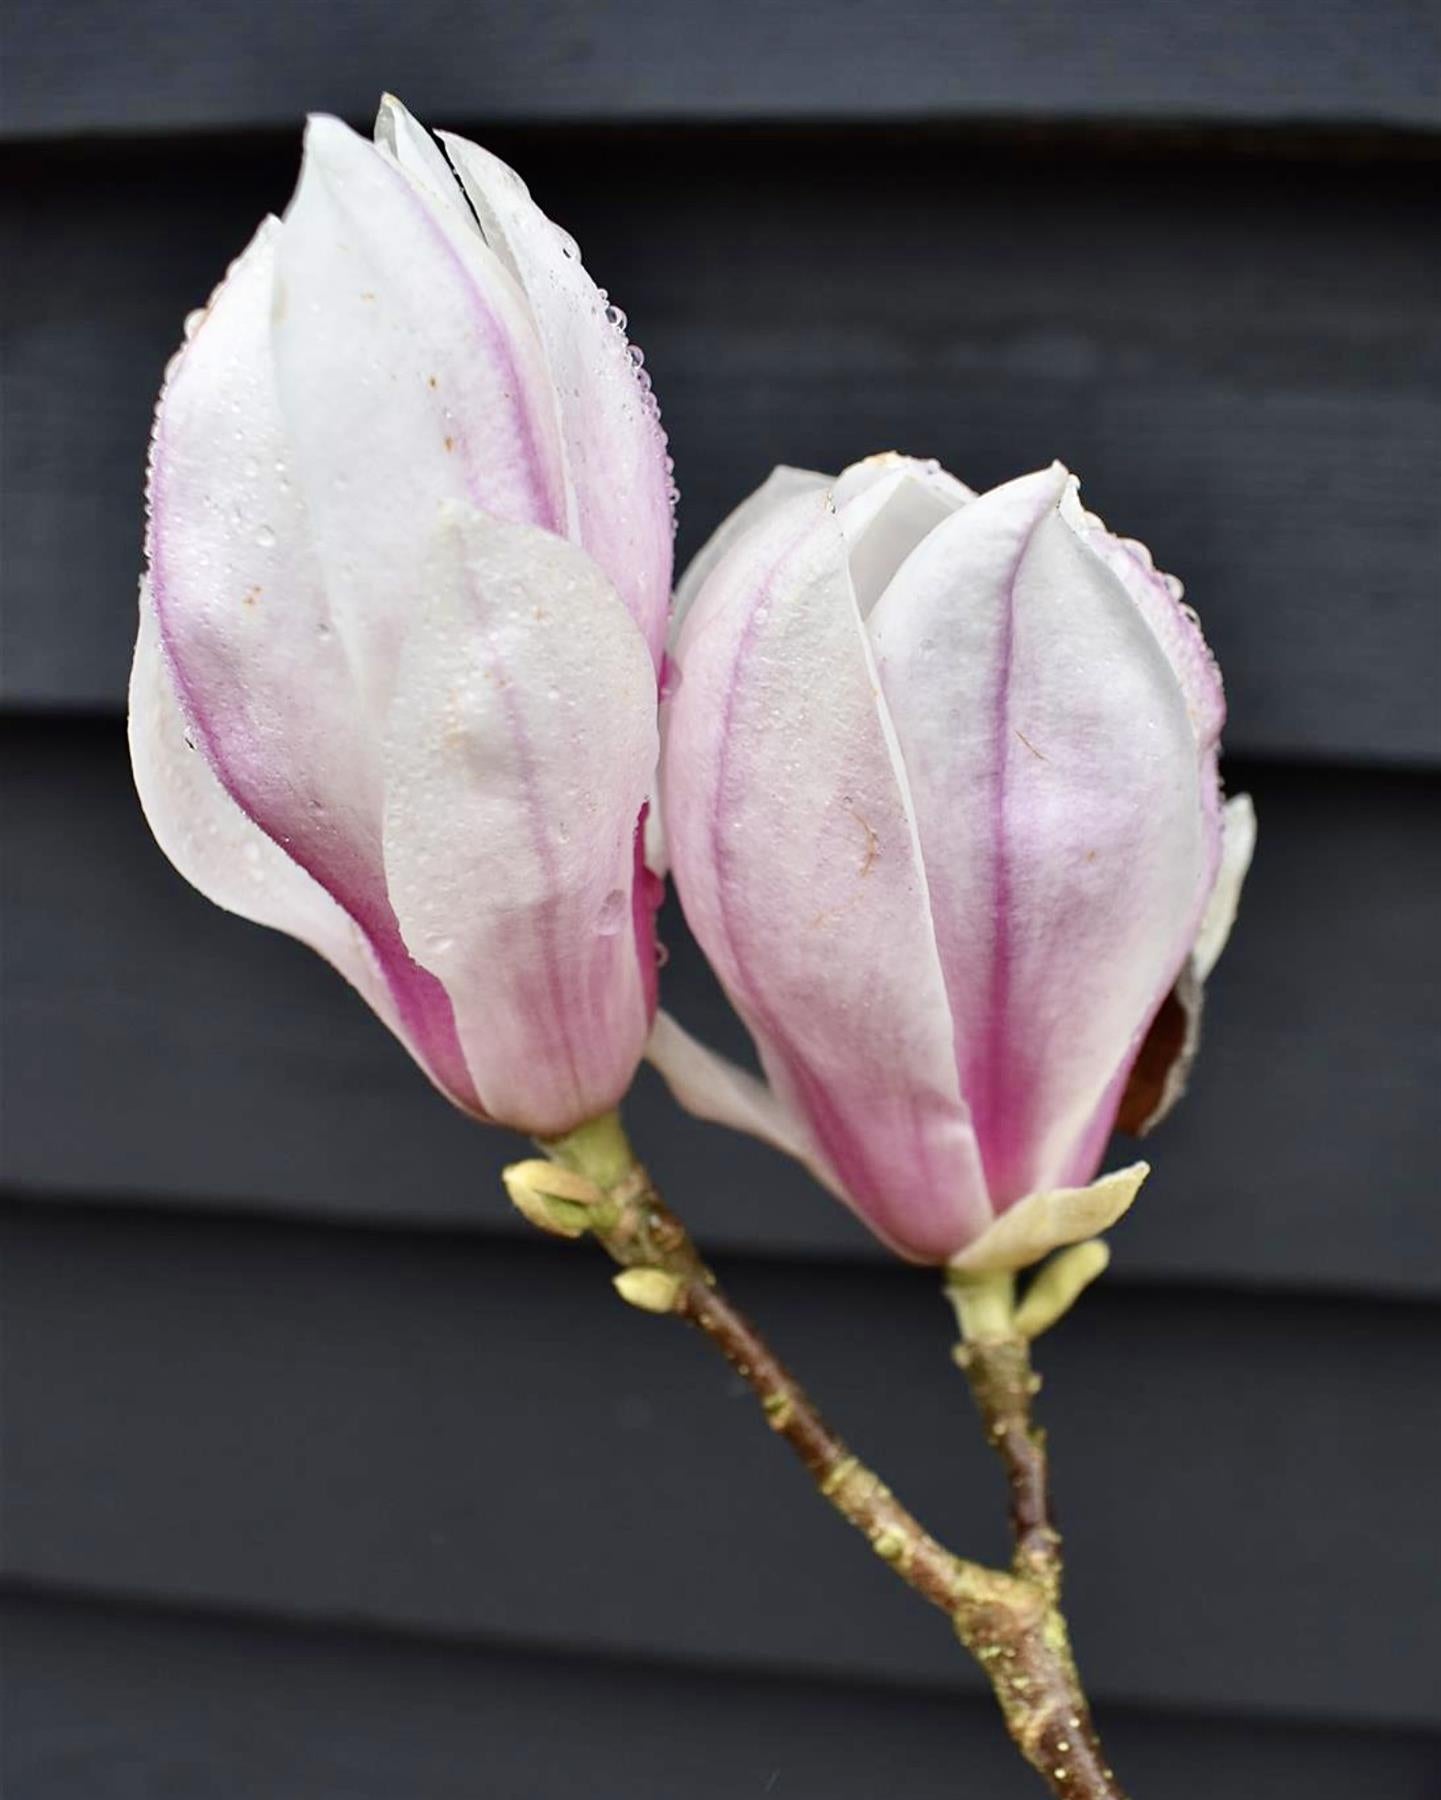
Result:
[441,946]
[265,537]
[615,315]
[612,913]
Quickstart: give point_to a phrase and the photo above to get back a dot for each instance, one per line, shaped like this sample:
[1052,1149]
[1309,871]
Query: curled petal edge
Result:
[1162,1069]
[1041,1223]
[1238,845]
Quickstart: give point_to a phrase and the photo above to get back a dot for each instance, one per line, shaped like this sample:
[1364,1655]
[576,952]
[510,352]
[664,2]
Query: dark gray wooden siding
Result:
[322,1477]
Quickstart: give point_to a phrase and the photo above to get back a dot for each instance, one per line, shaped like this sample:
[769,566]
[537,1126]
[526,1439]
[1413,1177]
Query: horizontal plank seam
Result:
[85,1211]
[323,1628]
[1327,135]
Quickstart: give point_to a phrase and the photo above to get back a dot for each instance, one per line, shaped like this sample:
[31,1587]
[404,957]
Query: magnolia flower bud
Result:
[409,564]
[942,806]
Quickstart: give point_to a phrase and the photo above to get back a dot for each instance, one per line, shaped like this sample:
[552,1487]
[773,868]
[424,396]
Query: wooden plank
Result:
[1243,360]
[480,1441]
[105,1704]
[92,65]
[172,1052]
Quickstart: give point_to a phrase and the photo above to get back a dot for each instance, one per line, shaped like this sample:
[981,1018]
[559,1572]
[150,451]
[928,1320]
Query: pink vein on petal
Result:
[987,1083]
[561,995]
[548,512]
[421,1001]
[840,1145]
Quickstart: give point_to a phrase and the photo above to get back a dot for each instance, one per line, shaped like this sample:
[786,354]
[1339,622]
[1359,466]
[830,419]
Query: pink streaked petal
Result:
[615,449]
[409,373]
[221,851]
[1056,786]
[264,680]
[795,856]
[238,593]
[519,751]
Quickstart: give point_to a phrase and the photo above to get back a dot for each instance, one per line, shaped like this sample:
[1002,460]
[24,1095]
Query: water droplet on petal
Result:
[265,537]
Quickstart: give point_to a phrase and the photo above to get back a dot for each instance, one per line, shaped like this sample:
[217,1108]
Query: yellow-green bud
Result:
[652,1290]
[557,1200]
[1058,1284]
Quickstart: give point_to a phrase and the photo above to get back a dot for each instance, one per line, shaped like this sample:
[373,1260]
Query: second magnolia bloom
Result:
[941,797]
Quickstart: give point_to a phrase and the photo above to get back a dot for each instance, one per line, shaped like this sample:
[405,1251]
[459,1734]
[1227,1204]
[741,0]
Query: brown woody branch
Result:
[1050,1718]
[1009,1620]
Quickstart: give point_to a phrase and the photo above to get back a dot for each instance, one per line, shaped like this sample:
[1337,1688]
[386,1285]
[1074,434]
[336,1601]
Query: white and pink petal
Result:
[1054,774]
[616,462]
[796,857]
[409,373]
[519,752]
